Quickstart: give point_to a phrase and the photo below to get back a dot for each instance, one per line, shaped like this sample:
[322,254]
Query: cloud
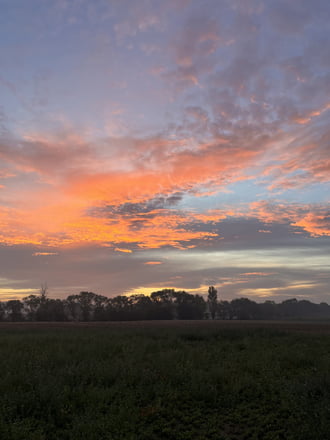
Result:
[257,274]
[224,148]
[302,157]
[312,218]
[317,224]
[125,251]
[138,199]
[193,49]
[149,207]
[47,154]
[44,254]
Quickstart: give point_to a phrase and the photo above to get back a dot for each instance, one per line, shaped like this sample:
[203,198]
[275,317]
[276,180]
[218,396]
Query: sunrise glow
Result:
[177,143]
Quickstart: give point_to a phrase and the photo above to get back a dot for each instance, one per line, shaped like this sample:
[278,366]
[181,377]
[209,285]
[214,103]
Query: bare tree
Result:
[43,291]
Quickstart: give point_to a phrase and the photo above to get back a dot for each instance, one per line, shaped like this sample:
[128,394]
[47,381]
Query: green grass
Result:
[163,383]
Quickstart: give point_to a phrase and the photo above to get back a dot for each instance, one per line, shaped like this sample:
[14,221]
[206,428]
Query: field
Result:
[175,380]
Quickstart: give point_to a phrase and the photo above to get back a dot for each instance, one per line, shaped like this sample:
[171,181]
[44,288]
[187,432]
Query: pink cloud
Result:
[73,177]
[312,218]
[44,254]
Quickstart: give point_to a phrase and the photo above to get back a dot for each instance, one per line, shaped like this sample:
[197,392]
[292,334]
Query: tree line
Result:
[166,304]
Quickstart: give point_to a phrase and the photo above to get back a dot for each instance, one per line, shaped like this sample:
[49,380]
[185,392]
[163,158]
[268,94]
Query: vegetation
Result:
[163,381]
[212,301]
[166,304]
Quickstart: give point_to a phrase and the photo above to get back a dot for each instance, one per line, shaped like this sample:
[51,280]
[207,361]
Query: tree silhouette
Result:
[163,304]
[188,306]
[14,308]
[119,308]
[43,291]
[31,306]
[73,308]
[2,312]
[244,308]
[212,300]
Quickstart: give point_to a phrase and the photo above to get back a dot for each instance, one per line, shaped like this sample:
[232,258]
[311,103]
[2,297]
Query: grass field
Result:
[174,380]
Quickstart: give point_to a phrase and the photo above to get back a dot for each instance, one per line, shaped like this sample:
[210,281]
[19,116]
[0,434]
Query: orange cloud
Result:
[70,181]
[314,219]
[317,224]
[57,225]
[127,251]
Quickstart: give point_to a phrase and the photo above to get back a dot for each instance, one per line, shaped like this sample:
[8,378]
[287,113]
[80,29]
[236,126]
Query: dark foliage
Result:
[166,304]
[212,300]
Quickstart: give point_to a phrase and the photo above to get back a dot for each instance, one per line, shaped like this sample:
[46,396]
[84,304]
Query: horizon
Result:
[128,295]
[150,145]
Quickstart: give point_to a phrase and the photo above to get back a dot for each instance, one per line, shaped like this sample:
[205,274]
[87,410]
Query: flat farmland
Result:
[165,380]
[300,326]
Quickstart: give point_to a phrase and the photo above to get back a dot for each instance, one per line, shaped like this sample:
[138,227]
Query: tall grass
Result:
[158,383]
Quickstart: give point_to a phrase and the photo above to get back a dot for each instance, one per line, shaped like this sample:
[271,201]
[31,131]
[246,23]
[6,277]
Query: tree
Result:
[119,308]
[100,306]
[86,301]
[163,304]
[14,308]
[31,306]
[54,310]
[81,307]
[2,312]
[189,306]
[73,308]
[288,308]
[225,310]
[244,308]
[43,292]
[141,307]
[212,300]
[42,310]
[268,310]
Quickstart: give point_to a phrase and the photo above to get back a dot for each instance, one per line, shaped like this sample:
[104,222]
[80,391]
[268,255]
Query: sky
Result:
[150,144]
